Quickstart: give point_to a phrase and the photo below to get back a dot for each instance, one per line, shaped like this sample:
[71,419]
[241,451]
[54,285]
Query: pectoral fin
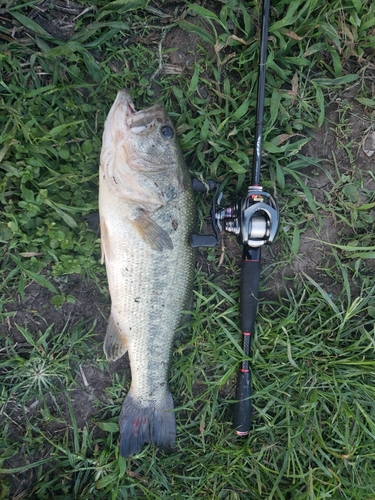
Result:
[115,344]
[151,232]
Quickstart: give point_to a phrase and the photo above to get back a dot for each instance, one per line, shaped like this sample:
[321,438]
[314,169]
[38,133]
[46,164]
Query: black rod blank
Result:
[257,158]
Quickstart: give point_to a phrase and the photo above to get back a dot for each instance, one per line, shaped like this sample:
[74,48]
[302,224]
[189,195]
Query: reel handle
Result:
[206,240]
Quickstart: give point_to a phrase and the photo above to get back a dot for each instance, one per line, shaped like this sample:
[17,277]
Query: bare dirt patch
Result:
[343,165]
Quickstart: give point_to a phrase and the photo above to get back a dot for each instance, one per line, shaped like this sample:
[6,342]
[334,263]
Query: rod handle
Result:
[249,291]
[242,408]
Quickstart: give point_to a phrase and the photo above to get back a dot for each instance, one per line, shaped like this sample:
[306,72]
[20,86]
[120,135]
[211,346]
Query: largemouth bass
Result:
[147,213]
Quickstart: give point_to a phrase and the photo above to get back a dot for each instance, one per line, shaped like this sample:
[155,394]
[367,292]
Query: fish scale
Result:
[152,309]
[147,214]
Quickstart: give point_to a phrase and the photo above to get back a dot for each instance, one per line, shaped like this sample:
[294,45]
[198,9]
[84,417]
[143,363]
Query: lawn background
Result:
[313,352]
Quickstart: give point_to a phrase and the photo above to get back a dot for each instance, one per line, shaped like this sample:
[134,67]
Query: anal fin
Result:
[151,232]
[115,344]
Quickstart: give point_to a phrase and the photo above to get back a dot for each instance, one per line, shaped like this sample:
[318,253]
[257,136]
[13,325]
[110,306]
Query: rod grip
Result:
[242,407]
[249,292]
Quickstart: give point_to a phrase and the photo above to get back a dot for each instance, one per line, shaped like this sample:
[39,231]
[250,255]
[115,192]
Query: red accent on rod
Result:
[239,433]
[251,260]
[244,371]
[246,333]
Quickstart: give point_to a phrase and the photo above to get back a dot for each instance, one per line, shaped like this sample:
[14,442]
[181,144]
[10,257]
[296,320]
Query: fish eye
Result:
[167,132]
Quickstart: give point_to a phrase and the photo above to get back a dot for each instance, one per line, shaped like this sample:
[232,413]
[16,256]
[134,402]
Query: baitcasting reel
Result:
[254,218]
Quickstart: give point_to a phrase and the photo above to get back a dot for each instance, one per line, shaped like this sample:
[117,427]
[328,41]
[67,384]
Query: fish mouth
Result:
[144,120]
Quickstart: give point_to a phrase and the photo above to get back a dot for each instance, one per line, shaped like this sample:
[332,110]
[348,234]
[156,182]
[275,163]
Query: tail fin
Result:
[142,423]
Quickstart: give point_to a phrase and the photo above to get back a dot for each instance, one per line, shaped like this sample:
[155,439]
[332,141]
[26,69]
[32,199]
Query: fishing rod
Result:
[254,219]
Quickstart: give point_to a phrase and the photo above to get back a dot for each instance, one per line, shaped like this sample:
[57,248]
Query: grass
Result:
[313,354]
